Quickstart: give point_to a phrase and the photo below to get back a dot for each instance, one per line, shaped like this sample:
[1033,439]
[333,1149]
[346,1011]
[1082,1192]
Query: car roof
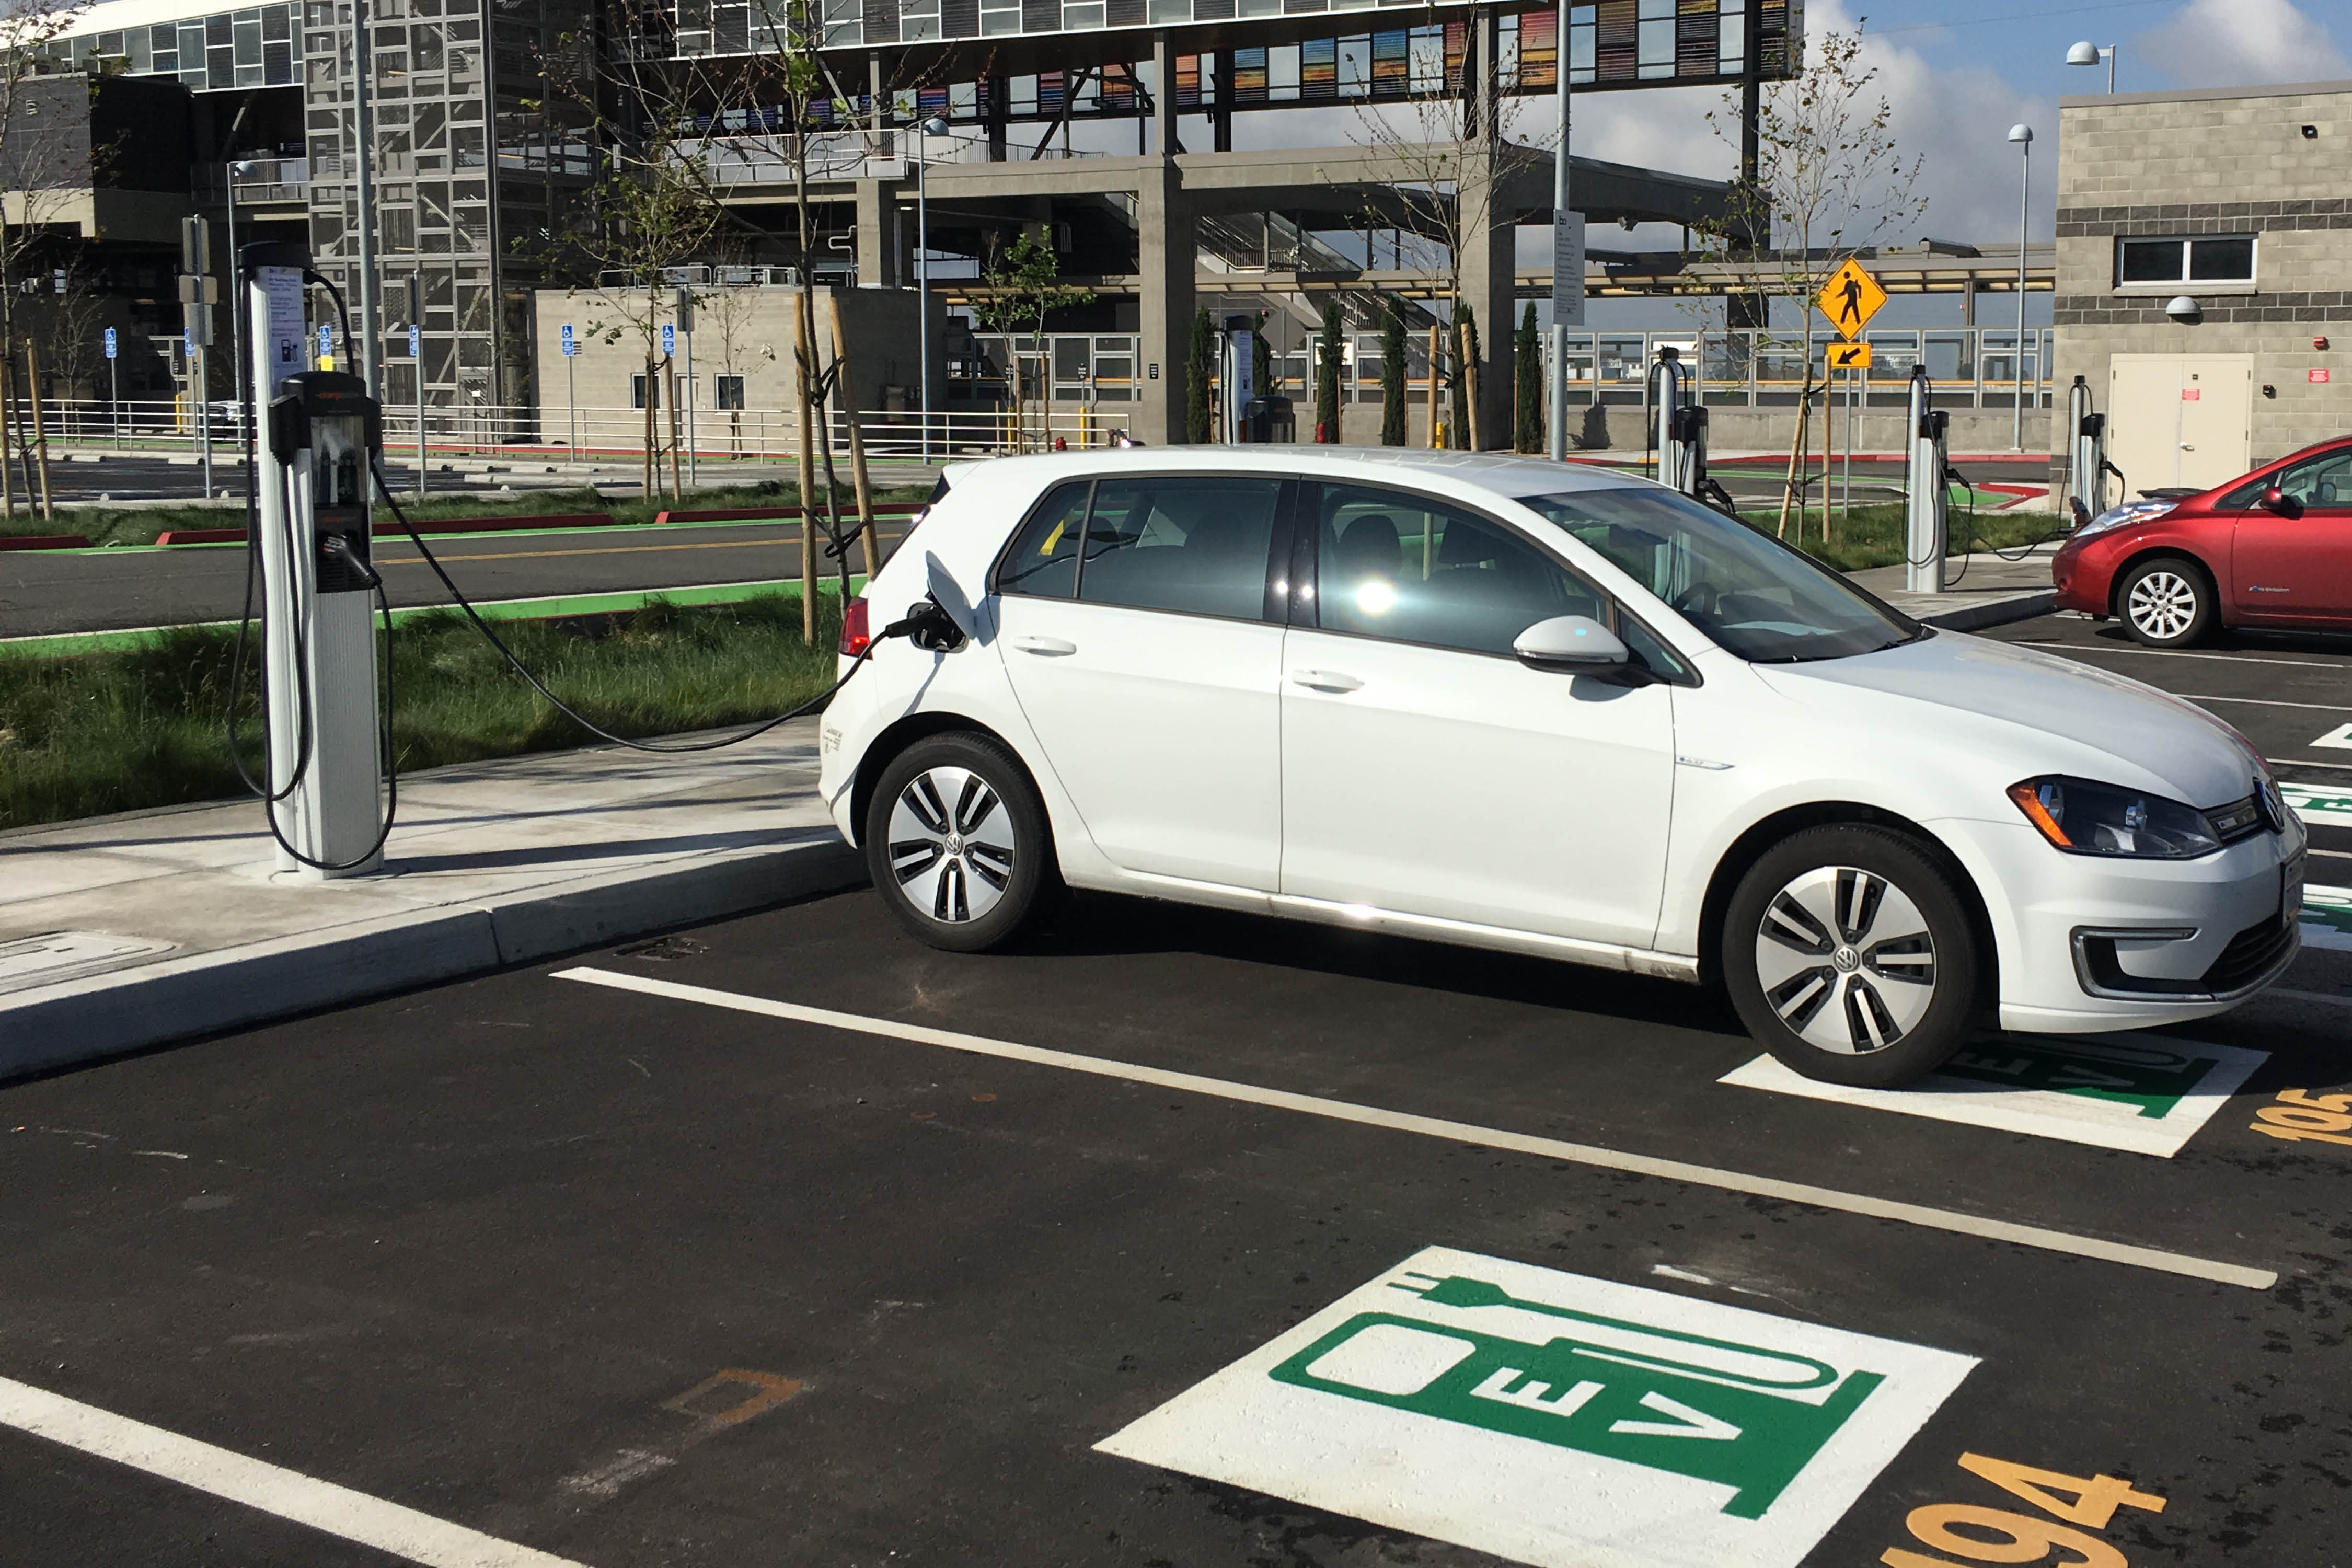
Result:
[1500,473]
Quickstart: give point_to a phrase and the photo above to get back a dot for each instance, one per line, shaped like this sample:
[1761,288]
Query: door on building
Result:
[2294,564]
[2180,421]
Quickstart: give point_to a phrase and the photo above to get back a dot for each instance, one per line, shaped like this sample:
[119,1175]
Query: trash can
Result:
[1271,420]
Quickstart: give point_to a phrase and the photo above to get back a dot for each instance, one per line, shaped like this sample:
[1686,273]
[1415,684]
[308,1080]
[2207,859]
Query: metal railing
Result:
[567,436]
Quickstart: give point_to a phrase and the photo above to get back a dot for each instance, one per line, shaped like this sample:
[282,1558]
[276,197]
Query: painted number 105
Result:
[2299,1116]
[1978,1534]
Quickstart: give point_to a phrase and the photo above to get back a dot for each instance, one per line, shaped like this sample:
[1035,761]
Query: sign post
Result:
[571,397]
[114,391]
[416,353]
[1567,262]
[1849,299]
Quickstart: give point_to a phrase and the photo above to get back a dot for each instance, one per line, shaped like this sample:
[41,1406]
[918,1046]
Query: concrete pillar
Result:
[1165,250]
[1488,268]
[877,238]
[999,93]
[1221,112]
[1163,95]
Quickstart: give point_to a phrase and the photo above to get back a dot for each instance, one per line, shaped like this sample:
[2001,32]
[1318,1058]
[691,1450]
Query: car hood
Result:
[2078,711]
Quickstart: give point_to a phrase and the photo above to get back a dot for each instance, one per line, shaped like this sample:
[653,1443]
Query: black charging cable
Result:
[927,624]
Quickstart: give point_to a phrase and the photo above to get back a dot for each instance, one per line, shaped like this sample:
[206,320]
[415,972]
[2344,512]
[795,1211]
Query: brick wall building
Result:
[2240,200]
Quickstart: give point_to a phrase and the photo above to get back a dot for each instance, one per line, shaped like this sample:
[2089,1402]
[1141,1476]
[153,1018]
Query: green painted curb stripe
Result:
[71,644]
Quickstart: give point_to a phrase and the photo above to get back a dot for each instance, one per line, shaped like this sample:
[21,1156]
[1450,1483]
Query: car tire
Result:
[957,842]
[1852,957]
[2166,602]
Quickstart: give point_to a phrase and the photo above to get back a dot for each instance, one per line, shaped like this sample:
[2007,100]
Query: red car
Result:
[2272,548]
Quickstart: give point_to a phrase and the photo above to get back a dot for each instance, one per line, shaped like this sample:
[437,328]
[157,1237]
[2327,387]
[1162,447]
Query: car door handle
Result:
[1326,680]
[1045,647]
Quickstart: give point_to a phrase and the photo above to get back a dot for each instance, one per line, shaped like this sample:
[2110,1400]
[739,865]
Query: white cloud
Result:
[2240,43]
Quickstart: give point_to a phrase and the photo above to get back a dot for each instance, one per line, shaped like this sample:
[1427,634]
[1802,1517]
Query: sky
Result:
[1956,75]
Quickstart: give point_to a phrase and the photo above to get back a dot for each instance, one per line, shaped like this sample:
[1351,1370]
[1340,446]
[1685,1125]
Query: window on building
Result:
[2214,259]
[730,390]
[637,391]
[999,18]
[918,20]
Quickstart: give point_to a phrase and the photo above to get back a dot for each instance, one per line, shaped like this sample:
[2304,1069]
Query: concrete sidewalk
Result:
[1988,590]
[125,932]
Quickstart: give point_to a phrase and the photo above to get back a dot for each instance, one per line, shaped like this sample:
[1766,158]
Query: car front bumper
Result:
[2088,943]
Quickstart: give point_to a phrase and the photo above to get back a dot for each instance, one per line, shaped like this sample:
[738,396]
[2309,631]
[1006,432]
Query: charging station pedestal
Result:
[316,432]
[1924,538]
[1236,376]
[2088,478]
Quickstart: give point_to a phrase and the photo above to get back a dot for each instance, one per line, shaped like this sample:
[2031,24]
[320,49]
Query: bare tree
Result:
[651,211]
[1019,289]
[46,159]
[1454,149]
[1829,182]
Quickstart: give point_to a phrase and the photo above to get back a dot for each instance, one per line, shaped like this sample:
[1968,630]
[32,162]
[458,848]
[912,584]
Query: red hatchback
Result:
[2272,549]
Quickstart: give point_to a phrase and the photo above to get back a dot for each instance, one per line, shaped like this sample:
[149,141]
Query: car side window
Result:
[2324,484]
[1397,565]
[1198,544]
[1045,560]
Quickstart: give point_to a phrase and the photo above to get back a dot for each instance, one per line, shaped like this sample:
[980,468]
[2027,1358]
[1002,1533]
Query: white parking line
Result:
[2176,653]
[322,1505]
[1455,1132]
[2264,702]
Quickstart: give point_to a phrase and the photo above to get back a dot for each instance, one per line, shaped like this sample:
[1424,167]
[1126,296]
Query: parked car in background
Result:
[2273,548]
[1545,709]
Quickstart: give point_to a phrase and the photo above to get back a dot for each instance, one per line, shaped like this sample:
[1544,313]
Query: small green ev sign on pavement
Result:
[2144,1094]
[1556,1419]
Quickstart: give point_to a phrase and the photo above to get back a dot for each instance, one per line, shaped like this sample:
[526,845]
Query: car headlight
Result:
[2130,511]
[2082,817]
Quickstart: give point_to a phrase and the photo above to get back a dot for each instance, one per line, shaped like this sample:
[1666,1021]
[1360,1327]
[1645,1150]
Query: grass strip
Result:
[143,726]
[1874,535]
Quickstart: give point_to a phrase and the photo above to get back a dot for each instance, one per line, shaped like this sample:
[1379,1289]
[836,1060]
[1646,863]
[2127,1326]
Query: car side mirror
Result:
[1575,644]
[2278,500]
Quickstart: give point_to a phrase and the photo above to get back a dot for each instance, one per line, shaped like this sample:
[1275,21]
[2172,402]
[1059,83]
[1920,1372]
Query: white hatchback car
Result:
[1550,710]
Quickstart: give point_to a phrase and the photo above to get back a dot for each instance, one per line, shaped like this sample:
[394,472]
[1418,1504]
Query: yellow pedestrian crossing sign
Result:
[1850,299]
[1849,356]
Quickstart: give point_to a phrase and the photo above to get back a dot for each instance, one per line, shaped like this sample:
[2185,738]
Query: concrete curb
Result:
[1999,613]
[106,1015]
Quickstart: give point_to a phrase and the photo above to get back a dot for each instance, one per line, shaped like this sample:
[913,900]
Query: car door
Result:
[2294,564]
[1134,630]
[1424,769]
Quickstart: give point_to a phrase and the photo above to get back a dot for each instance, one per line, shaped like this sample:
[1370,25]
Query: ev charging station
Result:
[1236,373]
[1924,483]
[1678,430]
[317,432]
[2088,476]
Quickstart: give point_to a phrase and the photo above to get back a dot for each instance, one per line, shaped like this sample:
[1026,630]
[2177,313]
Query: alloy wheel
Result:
[1845,960]
[2162,605]
[953,845]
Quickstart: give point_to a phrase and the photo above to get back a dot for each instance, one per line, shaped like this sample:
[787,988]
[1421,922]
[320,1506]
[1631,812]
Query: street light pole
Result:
[930,128]
[2023,136]
[1566,259]
[237,322]
[363,186]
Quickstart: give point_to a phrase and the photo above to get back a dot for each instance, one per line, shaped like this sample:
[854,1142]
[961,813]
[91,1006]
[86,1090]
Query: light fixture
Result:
[2020,132]
[935,126]
[2181,308]
[2086,53]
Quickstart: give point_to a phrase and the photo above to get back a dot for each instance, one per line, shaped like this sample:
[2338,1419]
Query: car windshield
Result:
[1753,596]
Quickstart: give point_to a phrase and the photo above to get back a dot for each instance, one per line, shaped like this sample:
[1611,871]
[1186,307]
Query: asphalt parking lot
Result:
[1177,1237]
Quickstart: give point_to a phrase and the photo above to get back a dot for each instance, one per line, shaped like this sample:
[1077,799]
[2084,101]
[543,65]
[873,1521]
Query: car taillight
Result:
[855,637]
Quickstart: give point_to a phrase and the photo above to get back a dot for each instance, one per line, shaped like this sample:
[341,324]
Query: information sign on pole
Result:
[415,341]
[1849,356]
[569,347]
[326,346]
[669,339]
[1850,299]
[109,343]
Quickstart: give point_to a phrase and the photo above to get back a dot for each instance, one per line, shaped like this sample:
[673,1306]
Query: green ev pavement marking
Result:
[2144,1094]
[2319,803]
[1557,1419]
[2152,1082]
[1689,1419]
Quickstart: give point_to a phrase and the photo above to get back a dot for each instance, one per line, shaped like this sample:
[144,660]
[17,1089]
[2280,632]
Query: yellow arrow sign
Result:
[1850,299]
[1849,356]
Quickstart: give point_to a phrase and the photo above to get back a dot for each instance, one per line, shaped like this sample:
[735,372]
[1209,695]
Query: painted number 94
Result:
[1979,1534]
